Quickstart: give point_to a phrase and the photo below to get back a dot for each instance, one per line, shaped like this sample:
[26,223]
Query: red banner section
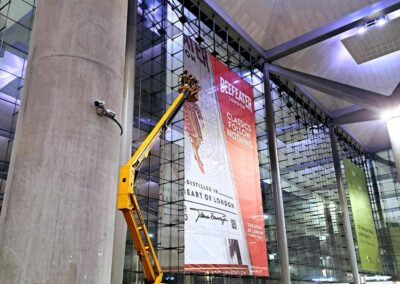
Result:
[235,98]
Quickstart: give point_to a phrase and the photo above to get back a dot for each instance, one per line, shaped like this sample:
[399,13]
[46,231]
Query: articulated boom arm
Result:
[127,202]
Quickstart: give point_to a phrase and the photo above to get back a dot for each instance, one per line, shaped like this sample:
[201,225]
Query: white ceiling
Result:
[331,60]
[273,22]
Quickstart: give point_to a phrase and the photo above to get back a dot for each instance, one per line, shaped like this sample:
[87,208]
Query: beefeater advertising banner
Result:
[224,222]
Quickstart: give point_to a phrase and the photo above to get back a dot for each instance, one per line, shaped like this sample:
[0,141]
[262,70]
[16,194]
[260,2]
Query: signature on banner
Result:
[210,215]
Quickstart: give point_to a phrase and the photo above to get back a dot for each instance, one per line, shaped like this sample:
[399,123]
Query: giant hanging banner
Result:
[367,240]
[224,222]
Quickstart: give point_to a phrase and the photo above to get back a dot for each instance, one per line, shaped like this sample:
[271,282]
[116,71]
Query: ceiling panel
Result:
[375,42]
[273,22]
[372,134]
[331,60]
[330,103]
[254,16]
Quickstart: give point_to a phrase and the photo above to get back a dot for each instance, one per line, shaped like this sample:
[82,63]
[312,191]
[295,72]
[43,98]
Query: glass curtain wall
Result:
[385,192]
[16,19]
[317,250]
[315,230]
[315,235]
[161,25]
[160,179]
[316,240]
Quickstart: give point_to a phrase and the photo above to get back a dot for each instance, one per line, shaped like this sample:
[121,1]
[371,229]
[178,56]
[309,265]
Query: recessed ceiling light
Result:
[391,113]
[361,30]
[381,21]
[378,22]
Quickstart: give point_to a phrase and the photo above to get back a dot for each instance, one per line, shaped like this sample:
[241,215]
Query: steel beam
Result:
[276,181]
[395,96]
[345,110]
[345,210]
[361,115]
[392,127]
[381,160]
[332,29]
[364,98]
[376,193]
[309,96]
[379,148]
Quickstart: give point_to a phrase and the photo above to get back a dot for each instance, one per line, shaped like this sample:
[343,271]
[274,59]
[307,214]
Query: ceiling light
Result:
[391,113]
[381,21]
[361,30]
[377,22]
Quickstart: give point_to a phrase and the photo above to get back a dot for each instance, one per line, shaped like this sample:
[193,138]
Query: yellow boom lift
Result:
[188,90]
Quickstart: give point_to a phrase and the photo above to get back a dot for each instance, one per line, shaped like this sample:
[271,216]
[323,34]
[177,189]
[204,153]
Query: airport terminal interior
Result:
[265,136]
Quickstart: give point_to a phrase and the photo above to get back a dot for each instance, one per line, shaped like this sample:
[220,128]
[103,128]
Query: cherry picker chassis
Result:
[127,202]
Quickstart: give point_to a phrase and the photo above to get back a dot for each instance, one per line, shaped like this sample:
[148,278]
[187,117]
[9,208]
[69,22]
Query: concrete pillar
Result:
[345,211]
[276,181]
[394,134]
[57,223]
[126,139]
